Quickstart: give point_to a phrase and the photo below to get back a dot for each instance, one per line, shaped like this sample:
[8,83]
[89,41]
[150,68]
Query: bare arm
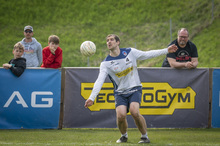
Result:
[190,65]
[195,62]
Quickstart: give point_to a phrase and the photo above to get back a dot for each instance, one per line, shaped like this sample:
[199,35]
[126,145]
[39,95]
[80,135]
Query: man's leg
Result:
[139,121]
[138,118]
[121,112]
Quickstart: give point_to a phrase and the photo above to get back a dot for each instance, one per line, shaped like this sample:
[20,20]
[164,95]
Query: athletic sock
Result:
[144,136]
[125,135]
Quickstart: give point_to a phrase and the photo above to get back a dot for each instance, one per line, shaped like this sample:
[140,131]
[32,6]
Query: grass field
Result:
[96,137]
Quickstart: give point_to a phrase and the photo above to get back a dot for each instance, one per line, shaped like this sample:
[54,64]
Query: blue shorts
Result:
[128,96]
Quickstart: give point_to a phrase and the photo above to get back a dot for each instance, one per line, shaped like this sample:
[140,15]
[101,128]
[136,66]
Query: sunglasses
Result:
[28,31]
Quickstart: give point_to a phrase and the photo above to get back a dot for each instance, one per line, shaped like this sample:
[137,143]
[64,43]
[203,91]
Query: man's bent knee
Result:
[121,117]
[135,115]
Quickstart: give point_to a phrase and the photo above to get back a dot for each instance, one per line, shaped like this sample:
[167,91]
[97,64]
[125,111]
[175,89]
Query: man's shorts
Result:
[128,96]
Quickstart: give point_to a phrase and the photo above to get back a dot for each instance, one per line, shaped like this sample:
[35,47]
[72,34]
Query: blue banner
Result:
[31,101]
[216,99]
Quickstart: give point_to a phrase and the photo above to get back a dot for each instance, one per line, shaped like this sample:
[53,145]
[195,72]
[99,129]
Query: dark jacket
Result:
[18,66]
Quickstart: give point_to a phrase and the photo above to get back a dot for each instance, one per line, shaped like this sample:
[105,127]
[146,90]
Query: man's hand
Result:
[172,48]
[88,103]
[190,65]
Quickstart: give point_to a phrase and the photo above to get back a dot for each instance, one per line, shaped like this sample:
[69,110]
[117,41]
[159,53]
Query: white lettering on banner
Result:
[20,101]
[49,100]
[33,99]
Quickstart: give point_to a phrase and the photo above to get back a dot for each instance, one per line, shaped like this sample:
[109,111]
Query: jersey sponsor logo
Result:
[157,98]
[124,53]
[128,61]
[116,68]
[124,72]
[114,63]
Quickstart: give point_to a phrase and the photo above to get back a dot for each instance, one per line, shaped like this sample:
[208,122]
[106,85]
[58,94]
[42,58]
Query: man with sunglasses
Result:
[186,56]
[33,49]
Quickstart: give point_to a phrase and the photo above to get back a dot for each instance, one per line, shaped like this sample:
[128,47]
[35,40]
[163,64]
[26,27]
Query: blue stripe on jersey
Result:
[123,53]
[113,82]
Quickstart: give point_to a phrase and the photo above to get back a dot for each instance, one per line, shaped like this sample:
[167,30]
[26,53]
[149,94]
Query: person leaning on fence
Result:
[52,54]
[17,65]
[121,66]
[186,56]
[32,48]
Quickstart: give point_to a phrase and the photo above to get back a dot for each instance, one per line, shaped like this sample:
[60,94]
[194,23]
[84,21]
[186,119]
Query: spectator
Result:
[52,54]
[32,48]
[186,56]
[18,64]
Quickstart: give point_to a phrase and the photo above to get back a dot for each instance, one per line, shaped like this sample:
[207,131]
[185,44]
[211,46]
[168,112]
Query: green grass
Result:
[139,23]
[158,137]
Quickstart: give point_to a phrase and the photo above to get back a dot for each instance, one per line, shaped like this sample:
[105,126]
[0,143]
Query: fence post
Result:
[210,98]
[63,70]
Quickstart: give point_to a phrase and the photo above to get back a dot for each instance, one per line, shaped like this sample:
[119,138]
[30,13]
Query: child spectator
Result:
[18,64]
[52,54]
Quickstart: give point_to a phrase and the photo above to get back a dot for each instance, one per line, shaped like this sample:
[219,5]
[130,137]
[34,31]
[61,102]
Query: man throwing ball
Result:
[121,67]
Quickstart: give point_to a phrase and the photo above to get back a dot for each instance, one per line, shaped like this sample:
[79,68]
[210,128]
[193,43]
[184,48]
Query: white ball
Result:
[87,48]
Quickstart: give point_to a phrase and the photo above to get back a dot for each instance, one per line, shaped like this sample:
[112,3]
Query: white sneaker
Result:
[122,139]
[144,140]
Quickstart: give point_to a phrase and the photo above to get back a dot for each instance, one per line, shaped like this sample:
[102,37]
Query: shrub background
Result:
[143,24]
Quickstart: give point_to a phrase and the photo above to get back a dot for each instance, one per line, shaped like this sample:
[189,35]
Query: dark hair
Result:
[54,38]
[115,36]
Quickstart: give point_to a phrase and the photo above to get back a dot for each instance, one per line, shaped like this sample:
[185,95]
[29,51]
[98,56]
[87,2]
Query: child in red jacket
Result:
[52,54]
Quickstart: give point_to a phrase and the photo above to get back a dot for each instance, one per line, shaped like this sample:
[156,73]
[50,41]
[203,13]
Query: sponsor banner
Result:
[31,101]
[171,99]
[216,99]
[182,102]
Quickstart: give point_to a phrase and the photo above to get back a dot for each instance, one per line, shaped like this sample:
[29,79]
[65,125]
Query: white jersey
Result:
[122,70]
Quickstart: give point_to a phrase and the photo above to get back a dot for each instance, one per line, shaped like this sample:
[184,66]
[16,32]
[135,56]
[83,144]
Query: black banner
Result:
[171,98]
